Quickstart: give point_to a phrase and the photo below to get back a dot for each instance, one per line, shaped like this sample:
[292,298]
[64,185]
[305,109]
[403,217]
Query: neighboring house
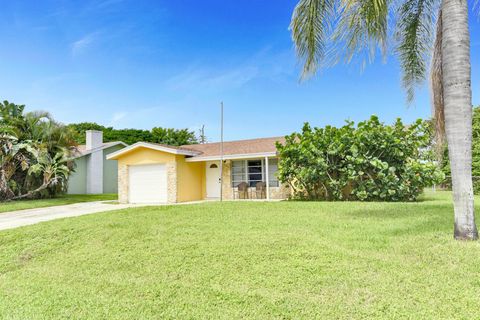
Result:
[155,173]
[94,174]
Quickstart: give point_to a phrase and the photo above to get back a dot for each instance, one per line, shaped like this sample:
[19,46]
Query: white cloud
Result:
[262,64]
[107,3]
[117,116]
[204,80]
[82,44]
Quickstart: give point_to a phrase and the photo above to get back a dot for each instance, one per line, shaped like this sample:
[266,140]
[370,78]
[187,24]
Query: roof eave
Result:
[115,155]
[233,157]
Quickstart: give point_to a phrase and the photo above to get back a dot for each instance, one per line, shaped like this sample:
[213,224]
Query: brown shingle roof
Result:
[253,146]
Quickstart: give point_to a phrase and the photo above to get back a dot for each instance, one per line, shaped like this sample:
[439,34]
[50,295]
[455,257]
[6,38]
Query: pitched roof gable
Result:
[81,150]
[153,146]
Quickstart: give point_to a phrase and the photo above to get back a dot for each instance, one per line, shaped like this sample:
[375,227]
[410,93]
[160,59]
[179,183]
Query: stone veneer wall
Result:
[227,180]
[172,182]
[282,192]
[122,183]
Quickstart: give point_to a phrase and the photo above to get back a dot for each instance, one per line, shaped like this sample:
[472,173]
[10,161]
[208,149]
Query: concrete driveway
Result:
[14,219]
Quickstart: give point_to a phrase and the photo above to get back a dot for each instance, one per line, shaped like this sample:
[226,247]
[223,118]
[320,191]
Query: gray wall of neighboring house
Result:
[94,161]
[110,171]
[77,182]
[94,174]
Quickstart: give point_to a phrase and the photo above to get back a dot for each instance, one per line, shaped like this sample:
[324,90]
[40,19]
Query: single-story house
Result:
[94,174]
[156,173]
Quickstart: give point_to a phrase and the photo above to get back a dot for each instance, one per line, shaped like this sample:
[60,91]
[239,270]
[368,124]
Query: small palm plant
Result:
[52,171]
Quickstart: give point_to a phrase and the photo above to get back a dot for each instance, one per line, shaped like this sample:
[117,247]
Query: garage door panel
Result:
[148,184]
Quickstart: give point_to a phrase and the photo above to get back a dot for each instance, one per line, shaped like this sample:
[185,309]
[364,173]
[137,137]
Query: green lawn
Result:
[58,201]
[286,260]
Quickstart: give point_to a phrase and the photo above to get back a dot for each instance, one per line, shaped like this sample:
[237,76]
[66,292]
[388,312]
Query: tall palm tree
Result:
[325,30]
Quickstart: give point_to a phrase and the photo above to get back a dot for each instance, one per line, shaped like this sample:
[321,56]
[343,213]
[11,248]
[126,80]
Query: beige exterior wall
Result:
[227,190]
[282,192]
[172,186]
[122,183]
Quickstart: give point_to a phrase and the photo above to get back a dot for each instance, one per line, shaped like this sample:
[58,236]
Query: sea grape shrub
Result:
[367,162]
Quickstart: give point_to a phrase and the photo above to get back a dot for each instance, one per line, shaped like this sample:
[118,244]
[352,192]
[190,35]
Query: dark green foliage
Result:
[370,161]
[174,137]
[476,143]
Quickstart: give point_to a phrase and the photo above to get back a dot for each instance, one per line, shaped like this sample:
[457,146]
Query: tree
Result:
[35,153]
[364,27]
[173,137]
[202,138]
[170,136]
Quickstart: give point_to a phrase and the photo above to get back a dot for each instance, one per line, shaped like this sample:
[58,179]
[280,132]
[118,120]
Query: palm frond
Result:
[414,30]
[310,24]
[436,86]
[362,27]
[39,115]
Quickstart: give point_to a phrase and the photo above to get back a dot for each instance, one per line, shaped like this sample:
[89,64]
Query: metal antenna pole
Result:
[221,152]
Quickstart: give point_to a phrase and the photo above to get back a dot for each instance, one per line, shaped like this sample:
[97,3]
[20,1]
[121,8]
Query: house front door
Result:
[213,179]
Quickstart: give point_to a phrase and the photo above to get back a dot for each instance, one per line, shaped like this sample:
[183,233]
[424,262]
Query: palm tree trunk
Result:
[5,192]
[458,112]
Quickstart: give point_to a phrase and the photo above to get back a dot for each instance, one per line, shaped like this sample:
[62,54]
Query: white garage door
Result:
[148,183]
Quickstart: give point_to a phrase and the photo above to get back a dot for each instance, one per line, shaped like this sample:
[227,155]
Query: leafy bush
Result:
[368,162]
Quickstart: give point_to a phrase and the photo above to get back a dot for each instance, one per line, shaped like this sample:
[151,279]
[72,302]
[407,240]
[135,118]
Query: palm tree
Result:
[325,29]
[51,171]
[35,153]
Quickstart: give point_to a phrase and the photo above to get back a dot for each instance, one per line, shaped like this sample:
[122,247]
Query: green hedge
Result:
[370,161]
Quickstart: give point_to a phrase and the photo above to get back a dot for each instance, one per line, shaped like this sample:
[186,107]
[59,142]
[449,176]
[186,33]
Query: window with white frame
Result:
[253,171]
[239,173]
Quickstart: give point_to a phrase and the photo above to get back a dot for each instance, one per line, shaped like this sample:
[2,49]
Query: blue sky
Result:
[140,64]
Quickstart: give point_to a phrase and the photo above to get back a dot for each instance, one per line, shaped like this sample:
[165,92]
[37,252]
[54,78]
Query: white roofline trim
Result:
[233,157]
[87,152]
[113,156]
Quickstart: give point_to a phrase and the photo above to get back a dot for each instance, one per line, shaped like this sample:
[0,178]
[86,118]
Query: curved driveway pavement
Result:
[14,219]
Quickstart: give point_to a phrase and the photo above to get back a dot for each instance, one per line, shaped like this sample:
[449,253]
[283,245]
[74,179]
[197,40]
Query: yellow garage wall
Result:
[190,180]
[145,156]
[187,180]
